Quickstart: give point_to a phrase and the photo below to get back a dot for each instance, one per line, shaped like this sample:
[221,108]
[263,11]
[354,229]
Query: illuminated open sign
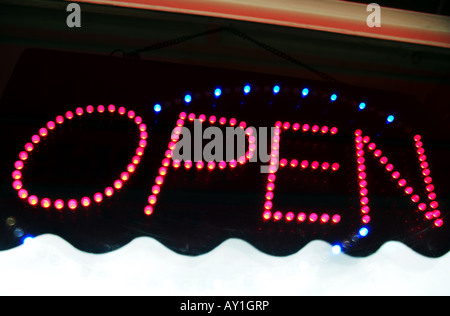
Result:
[329,177]
[364,148]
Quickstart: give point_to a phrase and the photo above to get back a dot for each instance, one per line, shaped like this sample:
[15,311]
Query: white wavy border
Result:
[48,265]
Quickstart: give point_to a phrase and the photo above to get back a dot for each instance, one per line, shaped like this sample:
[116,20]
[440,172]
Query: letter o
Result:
[84,201]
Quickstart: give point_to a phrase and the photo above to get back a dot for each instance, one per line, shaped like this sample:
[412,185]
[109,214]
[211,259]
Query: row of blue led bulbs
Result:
[276,89]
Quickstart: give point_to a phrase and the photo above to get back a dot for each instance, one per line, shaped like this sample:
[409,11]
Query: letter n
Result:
[426,204]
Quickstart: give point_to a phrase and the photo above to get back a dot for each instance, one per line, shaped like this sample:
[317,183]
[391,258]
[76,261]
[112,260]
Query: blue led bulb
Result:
[247,89]
[390,119]
[276,89]
[333,97]
[157,108]
[363,231]
[305,92]
[217,92]
[27,239]
[336,249]
[187,98]
[362,106]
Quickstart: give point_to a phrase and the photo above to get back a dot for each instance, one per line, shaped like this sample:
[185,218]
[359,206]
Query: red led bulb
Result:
[98,197]
[19,164]
[313,217]
[148,210]
[109,191]
[33,200]
[46,203]
[59,204]
[85,201]
[72,204]
[118,184]
[277,215]
[290,216]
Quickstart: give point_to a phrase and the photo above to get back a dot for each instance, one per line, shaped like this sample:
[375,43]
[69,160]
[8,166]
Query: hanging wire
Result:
[136,53]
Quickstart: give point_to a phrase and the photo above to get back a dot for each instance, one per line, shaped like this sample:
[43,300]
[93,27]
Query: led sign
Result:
[424,202]
[278,163]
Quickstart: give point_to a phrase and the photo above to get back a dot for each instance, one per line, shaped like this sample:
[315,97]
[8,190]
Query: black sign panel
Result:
[90,147]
